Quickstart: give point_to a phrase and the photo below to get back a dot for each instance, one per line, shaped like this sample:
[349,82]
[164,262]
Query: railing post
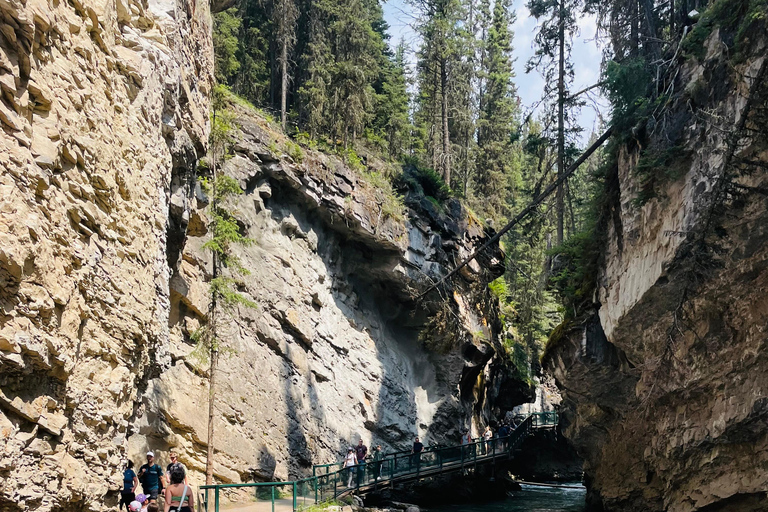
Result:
[294,496]
[273,498]
[335,486]
[317,483]
[216,499]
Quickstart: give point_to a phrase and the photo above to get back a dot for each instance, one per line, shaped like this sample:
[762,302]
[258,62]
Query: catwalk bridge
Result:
[329,481]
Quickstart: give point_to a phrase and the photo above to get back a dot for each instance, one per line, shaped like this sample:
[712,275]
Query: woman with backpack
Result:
[179,497]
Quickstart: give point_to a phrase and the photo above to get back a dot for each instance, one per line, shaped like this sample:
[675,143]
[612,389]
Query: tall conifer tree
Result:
[553,59]
[498,117]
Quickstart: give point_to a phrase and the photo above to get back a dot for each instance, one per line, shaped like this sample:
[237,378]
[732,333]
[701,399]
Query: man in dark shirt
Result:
[502,434]
[151,475]
[174,464]
[361,451]
[416,451]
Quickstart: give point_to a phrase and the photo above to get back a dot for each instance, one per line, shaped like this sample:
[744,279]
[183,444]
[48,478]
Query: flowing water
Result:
[529,499]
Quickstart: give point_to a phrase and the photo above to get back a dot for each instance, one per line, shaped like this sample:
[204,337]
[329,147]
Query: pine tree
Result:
[553,59]
[463,97]
[393,101]
[498,117]
[317,60]
[225,233]
[438,26]
[284,14]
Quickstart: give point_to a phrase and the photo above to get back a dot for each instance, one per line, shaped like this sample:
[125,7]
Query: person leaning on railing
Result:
[378,456]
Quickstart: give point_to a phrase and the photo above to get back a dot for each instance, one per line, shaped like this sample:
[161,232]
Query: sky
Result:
[586,56]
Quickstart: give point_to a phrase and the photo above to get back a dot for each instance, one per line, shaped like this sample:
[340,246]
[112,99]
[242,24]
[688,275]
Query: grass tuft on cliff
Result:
[376,173]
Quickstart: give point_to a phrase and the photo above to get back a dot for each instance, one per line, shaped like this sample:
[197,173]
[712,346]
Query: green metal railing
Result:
[330,481]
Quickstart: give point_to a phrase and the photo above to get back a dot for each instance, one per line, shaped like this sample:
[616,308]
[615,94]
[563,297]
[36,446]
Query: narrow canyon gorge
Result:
[105,272]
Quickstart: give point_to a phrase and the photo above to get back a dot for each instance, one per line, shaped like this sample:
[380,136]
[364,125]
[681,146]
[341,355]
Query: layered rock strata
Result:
[333,352]
[664,387]
[102,103]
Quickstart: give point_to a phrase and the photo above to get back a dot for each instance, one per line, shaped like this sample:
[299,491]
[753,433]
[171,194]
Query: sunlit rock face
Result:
[335,350]
[664,386]
[103,103]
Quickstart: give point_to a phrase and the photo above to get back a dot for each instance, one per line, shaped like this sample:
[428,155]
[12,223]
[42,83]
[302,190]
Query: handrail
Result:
[428,448]
[322,486]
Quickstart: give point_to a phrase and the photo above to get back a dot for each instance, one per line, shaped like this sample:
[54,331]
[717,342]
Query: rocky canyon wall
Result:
[102,103]
[664,385]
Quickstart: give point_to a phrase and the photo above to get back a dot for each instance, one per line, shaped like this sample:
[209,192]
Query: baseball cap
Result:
[134,506]
[150,454]
[141,498]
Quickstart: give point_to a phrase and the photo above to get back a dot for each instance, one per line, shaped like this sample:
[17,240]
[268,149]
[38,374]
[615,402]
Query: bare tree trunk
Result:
[671,18]
[212,338]
[633,28]
[433,137]
[284,85]
[446,134]
[650,28]
[211,413]
[561,125]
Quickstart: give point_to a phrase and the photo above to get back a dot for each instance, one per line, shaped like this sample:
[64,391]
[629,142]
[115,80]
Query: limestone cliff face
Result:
[664,386]
[103,103]
[332,353]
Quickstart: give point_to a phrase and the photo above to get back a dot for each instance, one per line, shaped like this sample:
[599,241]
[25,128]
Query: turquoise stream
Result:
[529,499]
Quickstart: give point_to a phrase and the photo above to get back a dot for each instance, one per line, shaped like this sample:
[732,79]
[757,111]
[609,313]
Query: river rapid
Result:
[529,499]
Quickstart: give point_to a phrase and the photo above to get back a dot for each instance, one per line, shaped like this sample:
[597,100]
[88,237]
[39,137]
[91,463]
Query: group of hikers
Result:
[487,443]
[178,495]
[357,457]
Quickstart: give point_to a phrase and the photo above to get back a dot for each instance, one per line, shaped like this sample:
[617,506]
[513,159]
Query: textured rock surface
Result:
[664,388]
[333,352]
[101,102]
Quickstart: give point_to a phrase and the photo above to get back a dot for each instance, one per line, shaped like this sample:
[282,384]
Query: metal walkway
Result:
[330,481]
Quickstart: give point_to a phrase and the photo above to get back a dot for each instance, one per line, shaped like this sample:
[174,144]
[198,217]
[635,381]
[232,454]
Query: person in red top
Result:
[361,451]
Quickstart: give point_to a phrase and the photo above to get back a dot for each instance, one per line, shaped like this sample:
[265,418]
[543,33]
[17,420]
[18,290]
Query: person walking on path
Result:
[466,440]
[378,456]
[488,435]
[502,434]
[350,461]
[130,482]
[151,477]
[179,497]
[416,453]
[176,464]
[360,452]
